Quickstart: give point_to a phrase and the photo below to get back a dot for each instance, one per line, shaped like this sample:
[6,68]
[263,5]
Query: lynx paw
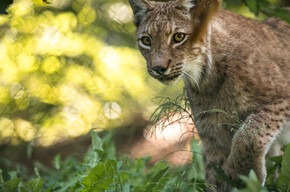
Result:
[230,171]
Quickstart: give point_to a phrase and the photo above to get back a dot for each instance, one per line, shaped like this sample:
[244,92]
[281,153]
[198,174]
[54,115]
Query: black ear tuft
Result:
[140,9]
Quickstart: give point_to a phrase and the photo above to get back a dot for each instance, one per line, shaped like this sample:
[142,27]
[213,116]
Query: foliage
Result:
[271,10]
[252,183]
[100,173]
[121,174]
[284,177]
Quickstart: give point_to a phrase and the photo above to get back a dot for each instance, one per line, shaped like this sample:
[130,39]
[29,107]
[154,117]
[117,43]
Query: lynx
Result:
[228,62]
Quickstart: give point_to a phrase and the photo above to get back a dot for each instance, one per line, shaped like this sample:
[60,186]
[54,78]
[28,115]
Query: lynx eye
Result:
[178,37]
[146,41]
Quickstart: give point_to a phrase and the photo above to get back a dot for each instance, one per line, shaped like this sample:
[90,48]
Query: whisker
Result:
[191,77]
[185,79]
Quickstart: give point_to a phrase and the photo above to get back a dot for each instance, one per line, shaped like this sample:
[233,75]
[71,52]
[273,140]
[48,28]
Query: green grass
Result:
[101,170]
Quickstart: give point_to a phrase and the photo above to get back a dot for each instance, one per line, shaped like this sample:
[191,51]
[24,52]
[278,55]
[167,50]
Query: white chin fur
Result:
[171,82]
[193,70]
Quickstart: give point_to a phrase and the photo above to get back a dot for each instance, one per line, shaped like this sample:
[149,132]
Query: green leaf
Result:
[221,176]
[252,182]
[199,184]
[93,157]
[284,148]
[276,159]
[278,12]
[271,168]
[11,185]
[1,177]
[252,5]
[109,151]
[100,177]
[13,174]
[284,177]
[34,185]
[125,175]
[154,182]
[56,162]
[49,189]
[272,10]
[97,142]
[65,186]
[126,187]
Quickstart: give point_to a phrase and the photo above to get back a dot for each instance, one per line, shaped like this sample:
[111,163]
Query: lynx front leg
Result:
[253,140]
[213,154]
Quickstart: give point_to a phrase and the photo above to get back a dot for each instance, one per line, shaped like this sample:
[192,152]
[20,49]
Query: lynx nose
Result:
[159,70]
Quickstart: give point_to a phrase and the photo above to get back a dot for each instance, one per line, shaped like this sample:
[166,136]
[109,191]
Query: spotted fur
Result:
[237,65]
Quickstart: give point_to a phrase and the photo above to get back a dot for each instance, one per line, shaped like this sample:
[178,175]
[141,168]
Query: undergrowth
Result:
[101,170]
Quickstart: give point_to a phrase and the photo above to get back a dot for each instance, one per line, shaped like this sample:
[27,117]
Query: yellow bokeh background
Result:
[60,78]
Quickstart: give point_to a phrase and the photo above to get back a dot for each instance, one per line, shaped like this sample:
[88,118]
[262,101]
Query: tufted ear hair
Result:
[201,14]
[140,9]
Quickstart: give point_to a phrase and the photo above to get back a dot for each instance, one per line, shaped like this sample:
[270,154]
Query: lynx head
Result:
[170,36]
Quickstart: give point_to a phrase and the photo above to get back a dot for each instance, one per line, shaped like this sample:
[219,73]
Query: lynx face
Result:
[163,33]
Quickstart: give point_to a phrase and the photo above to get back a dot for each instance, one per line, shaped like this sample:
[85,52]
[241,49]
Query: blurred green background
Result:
[67,66]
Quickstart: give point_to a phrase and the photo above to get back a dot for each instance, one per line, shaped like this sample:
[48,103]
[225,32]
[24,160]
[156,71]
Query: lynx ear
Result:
[201,15]
[188,4]
[140,9]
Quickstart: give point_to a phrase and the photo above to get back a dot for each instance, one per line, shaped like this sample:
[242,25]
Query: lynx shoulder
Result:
[228,62]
